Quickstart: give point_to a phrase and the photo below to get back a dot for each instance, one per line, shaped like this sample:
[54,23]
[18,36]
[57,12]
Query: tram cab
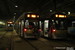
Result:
[54,27]
[27,25]
[10,25]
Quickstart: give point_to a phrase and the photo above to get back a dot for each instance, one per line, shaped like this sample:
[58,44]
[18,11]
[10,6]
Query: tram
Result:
[54,27]
[27,25]
[71,26]
[10,26]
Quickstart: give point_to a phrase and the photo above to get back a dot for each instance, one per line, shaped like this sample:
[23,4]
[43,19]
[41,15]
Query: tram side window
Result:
[73,23]
[61,24]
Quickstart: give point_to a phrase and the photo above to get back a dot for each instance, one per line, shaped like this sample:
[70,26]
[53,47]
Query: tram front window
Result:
[29,25]
[60,24]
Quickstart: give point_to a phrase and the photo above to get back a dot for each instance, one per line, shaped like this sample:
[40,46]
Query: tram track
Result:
[6,42]
[3,35]
[46,43]
[36,48]
[11,42]
[58,42]
[32,45]
[67,43]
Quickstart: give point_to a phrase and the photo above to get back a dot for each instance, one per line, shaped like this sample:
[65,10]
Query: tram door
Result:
[22,25]
[46,23]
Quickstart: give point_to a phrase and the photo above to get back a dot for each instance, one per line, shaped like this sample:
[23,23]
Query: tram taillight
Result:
[39,29]
[54,30]
[25,29]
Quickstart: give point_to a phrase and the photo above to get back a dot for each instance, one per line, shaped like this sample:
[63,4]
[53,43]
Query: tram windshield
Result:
[29,25]
[60,24]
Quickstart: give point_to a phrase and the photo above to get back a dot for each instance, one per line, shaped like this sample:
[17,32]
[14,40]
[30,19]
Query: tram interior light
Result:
[46,21]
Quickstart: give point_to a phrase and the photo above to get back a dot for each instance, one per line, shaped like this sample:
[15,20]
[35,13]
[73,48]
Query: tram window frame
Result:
[73,23]
[33,23]
[58,26]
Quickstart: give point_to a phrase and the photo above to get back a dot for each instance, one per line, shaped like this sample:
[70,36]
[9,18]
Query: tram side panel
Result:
[71,28]
[55,28]
[16,27]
